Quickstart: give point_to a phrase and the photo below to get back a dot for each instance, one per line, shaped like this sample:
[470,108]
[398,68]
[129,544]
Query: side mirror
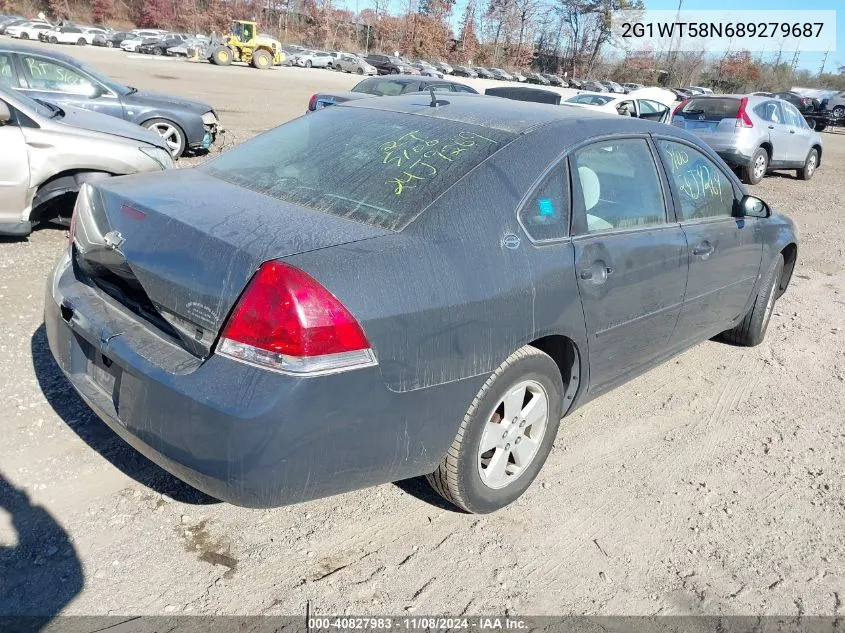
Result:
[5,114]
[752,207]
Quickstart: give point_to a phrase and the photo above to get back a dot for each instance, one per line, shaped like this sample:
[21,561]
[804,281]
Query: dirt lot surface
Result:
[713,484]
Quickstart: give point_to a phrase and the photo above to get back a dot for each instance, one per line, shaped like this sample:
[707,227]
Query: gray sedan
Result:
[184,124]
[386,289]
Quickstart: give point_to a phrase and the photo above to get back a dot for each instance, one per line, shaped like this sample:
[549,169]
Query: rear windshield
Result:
[380,87]
[376,167]
[596,100]
[711,108]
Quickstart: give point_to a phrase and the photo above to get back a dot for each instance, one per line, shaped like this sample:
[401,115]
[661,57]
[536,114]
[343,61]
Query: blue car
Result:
[186,125]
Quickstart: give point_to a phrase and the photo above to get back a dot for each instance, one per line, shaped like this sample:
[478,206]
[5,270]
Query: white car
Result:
[71,35]
[313,59]
[354,64]
[131,45]
[28,30]
[643,104]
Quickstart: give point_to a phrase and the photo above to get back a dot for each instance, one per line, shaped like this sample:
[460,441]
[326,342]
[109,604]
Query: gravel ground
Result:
[712,484]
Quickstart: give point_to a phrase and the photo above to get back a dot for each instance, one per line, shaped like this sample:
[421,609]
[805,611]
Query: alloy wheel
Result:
[513,434]
[759,167]
[172,136]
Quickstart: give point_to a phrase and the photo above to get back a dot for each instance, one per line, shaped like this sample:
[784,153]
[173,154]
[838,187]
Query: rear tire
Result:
[262,60]
[360,71]
[308,63]
[752,329]
[478,481]
[839,111]
[24,36]
[53,39]
[81,42]
[810,164]
[109,44]
[756,169]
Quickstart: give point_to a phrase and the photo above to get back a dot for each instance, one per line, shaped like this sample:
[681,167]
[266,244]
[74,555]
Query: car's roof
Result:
[20,48]
[504,114]
[406,79]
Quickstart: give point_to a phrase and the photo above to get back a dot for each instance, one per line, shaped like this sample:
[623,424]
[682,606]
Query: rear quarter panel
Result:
[445,300]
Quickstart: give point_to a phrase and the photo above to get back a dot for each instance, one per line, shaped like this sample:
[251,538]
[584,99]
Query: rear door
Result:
[630,257]
[725,251]
[779,132]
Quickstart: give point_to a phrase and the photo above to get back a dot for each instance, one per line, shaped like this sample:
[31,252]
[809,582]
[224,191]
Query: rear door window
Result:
[376,167]
[619,185]
[7,72]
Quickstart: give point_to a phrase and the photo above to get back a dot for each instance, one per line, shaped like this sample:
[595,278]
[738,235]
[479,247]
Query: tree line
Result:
[566,37]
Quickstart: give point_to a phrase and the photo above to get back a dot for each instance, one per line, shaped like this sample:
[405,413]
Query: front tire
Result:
[262,60]
[170,132]
[81,42]
[839,111]
[308,63]
[757,167]
[752,329]
[360,71]
[53,39]
[810,164]
[24,36]
[505,436]
[109,44]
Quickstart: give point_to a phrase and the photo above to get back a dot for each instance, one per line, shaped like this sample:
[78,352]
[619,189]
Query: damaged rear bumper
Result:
[241,434]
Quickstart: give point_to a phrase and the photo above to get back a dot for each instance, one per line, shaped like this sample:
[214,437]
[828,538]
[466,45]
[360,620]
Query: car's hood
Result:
[159,100]
[105,124]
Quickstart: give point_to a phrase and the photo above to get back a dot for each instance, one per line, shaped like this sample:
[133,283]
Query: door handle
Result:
[703,249]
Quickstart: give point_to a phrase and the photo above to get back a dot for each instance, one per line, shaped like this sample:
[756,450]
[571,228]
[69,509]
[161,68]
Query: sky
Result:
[810,61]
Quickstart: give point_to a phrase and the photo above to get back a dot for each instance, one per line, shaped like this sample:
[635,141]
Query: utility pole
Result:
[824,61]
[795,62]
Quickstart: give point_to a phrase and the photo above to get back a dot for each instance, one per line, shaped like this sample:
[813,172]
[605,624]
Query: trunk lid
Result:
[177,248]
[708,116]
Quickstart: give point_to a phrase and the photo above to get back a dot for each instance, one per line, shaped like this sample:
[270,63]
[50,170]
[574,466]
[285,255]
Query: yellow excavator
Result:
[244,44]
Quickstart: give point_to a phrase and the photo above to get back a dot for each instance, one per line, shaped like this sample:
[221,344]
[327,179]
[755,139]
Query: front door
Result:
[725,251]
[630,258]
[64,85]
[14,170]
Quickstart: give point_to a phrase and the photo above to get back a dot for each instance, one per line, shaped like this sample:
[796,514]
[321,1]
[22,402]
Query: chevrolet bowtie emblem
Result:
[113,240]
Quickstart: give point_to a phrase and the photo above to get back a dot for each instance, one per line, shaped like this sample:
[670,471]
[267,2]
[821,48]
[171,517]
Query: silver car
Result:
[753,133]
[48,152]
[354,64]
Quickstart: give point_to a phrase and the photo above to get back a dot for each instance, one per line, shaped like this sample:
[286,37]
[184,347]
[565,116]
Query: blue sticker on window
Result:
[547,207]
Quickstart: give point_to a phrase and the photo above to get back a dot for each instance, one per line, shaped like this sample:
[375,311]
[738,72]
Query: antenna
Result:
[433,103]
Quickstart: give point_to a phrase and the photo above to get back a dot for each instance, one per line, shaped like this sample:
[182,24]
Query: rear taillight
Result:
[680,106]
[287,321]
[312,103]
[742,119]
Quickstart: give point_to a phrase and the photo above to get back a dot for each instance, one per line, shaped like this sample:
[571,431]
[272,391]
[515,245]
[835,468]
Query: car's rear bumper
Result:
[241,434]
[734,157]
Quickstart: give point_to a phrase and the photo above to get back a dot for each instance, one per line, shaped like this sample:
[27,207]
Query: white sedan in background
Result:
[72,35]
[647,103]
[28,30]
